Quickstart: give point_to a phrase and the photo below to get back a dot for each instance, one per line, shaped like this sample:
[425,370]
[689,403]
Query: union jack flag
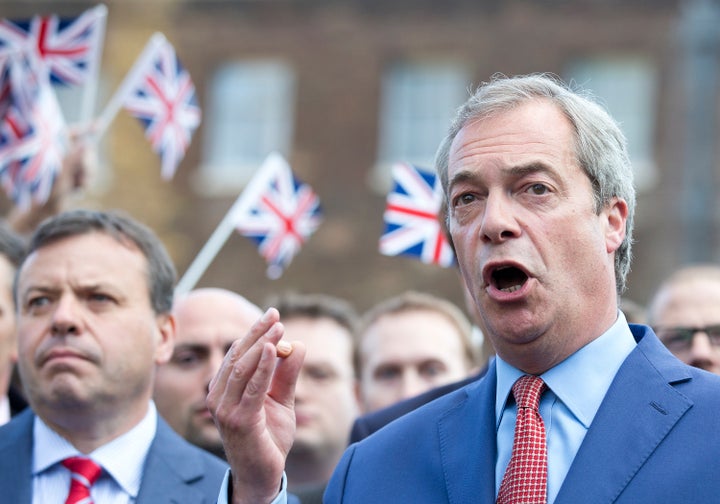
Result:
[279,213]
[70,47]
[32,132]
[163,99]
[412,225]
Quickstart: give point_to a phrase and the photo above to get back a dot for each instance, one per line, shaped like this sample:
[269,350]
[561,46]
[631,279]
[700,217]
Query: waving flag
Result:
[70,47]
[412,225]
[161,95]
[279,213]
[33,136]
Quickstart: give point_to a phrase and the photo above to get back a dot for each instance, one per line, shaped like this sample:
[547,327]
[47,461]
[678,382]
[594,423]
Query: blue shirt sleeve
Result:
[224,498]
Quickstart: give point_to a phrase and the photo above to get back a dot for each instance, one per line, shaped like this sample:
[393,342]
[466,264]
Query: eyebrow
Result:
[518,171]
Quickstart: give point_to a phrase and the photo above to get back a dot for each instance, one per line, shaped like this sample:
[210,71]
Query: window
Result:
[627,87]
[417,104]
[249,113]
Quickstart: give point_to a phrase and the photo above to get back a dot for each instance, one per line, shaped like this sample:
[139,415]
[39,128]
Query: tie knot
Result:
[83,469]
[527,391]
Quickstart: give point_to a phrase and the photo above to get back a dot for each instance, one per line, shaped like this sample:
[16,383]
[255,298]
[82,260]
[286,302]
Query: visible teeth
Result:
[511,289]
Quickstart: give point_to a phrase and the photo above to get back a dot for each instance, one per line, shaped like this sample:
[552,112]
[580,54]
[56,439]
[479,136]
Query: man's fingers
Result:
[286,375]
[241,346]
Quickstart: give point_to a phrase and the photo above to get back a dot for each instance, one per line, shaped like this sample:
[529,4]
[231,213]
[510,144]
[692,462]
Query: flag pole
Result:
[87,106]
[116,102]
[223,231]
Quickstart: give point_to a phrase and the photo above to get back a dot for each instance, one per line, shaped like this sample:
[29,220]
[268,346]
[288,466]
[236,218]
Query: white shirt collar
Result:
[4,409]
[119,458]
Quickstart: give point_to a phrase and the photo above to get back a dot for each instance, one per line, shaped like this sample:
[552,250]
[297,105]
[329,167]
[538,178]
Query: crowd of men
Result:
[125,393]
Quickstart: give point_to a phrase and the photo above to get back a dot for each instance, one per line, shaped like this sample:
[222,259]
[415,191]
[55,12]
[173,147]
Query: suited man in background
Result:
[207,320]
[685,314]
[12,251]
[94,296]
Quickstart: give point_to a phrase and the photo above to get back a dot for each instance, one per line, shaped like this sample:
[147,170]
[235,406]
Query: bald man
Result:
[208,321]
[685,314]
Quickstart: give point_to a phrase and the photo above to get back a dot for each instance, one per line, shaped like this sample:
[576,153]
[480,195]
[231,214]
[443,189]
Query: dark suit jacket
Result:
[654,440]
[369,423]
[17,402]
[175,471]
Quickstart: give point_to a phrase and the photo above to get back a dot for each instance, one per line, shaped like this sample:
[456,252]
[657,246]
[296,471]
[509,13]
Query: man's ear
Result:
[166,337]
[616,213]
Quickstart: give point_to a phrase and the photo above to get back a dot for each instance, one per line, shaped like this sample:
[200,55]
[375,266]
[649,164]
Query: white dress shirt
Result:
[122,460]
[4,409]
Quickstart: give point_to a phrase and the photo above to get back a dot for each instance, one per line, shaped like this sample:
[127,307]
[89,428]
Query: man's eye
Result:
[186,359]
[464,199]
[432,369]
[387,373]
[319,374]
[37,301]
[100,297]
[538,189]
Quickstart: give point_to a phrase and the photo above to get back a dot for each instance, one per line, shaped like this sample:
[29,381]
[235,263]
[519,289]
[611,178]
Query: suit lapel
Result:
[169,469]
[467,443]
[638,412]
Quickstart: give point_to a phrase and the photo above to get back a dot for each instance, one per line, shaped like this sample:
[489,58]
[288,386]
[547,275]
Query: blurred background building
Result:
[344,88]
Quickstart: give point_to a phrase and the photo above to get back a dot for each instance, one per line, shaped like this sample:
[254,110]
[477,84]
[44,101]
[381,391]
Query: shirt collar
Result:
[581,380]
[4,409]
[119,457]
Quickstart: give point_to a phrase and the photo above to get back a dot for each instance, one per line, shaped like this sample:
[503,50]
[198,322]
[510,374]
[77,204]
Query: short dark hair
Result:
[314,306]
[293,305]
[123,228]
[12,246]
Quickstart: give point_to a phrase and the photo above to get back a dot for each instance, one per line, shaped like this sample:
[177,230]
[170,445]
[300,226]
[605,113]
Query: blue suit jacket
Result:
[175,471]
[655,439]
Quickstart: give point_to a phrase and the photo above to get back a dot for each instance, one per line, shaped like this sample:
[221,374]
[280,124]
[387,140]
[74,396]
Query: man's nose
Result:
[66,317]
[412,384]
[498,221]
[701,348]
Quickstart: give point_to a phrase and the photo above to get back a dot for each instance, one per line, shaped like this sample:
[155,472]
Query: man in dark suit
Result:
[12,251]
[540,207]
[371,422]
[94,296]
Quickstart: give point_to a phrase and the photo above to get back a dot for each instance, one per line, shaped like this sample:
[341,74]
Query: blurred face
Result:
[8,344]
[207,323]
[535,255]
[88,337]
[325,398]
[686,306]
[405,354]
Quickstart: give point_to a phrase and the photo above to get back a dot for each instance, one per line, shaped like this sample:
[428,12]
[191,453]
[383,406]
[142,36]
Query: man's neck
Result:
[88,430]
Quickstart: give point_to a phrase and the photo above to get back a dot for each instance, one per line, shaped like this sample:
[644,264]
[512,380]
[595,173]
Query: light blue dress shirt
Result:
[280,499]
[576,387]
[122,460]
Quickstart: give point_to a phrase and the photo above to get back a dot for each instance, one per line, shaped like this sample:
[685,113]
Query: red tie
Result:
[84,472]
[525,479]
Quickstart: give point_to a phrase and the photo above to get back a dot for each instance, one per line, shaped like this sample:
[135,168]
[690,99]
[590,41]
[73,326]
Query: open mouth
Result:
[509,278]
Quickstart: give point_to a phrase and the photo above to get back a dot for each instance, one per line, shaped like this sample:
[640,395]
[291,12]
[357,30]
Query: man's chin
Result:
[210,441]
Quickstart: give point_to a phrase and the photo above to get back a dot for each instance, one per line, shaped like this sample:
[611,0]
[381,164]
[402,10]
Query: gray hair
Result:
[600,145]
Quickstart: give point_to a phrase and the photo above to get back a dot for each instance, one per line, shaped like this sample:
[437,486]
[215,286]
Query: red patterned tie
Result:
[525,479]
[84,472]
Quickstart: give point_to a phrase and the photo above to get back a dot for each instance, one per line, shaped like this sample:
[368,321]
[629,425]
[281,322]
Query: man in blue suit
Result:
[540,207]
[93,297]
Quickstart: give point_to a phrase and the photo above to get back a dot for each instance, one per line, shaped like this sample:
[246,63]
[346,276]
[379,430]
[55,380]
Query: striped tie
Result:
[84,472]
[525,479]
